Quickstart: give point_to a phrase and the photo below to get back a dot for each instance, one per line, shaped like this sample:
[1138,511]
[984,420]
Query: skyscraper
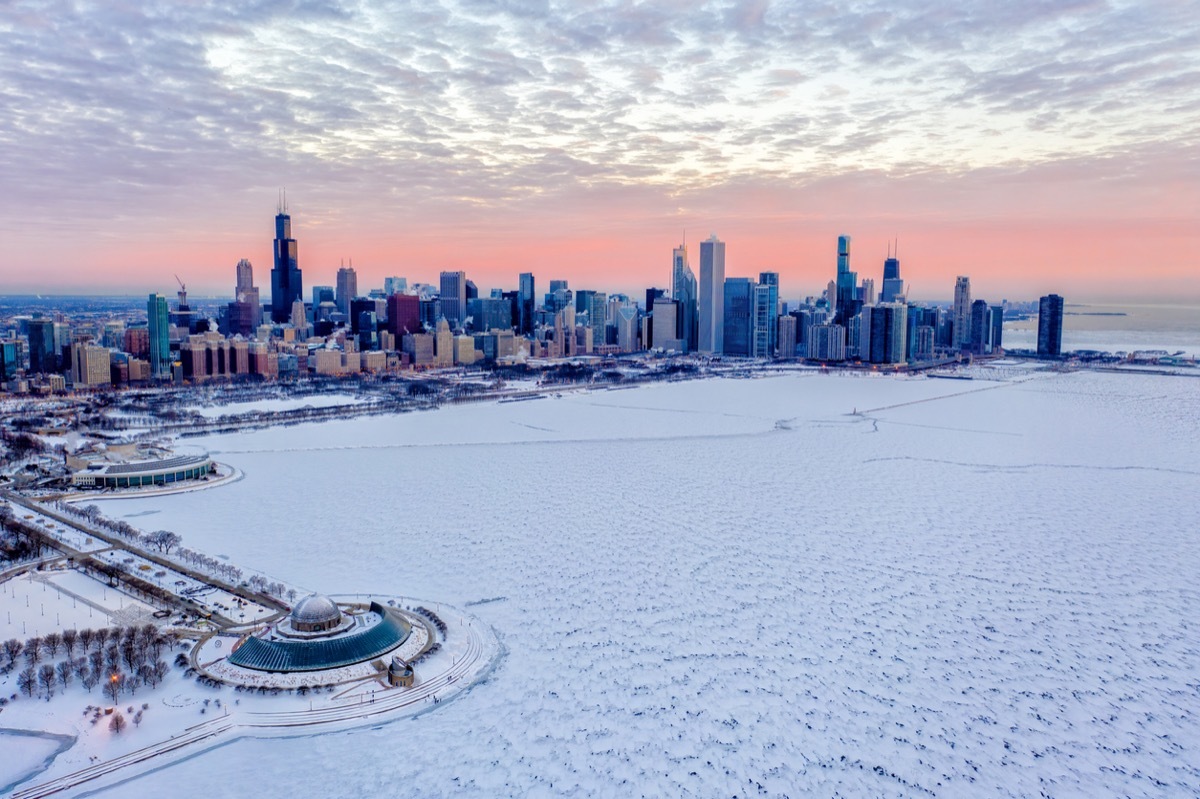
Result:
[454,296]
[997,327]
[893,286]
[847,302]
[347,288]
[981,327]
[766,312]
[244,314]
[160,337]
[683,291]
[737,316]
[245,281]
[526,304]
[711,312]
[287,284]
[1050,322]
[44,355]
[962,311]
[404,314]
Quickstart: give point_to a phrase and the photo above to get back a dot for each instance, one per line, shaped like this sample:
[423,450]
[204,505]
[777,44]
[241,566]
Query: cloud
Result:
[451,112]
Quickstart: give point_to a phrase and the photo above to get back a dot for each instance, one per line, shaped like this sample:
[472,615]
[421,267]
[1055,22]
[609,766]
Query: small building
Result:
[400,673]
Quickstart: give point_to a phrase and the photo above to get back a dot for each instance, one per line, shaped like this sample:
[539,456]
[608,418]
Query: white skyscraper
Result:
[712,296]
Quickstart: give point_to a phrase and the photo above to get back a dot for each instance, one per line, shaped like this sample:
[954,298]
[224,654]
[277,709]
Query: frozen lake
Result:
[736,587]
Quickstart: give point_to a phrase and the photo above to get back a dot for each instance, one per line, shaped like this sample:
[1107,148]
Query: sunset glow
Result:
[1036,146]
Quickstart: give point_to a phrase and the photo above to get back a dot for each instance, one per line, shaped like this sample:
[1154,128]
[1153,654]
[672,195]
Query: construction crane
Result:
[183,305]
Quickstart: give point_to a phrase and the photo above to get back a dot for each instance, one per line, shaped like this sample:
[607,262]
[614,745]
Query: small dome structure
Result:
[315,613]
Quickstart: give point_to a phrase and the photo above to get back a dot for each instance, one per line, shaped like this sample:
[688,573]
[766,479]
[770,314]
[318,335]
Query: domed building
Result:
[315,614]
[320,634]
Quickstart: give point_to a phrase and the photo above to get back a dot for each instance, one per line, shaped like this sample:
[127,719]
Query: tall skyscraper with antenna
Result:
[287,284]
[893,286]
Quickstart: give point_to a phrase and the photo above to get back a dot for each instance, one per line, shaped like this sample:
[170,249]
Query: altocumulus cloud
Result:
[483,105]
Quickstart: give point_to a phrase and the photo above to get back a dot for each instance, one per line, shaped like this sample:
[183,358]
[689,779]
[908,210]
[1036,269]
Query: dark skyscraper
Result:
[526,304]
[980,327]
[893,286]
[454,297]
[287,286]
[847,303]
[1050,321]
[404,314]
[43,352]
[738,315]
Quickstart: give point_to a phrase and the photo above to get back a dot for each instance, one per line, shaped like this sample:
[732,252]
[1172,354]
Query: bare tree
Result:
[118,722]
[86,636]
[51,642]
[65,671]
[33,651]
[27,681]
[96,662]
[47,679]
[70,638]
[12,651]
[164,540]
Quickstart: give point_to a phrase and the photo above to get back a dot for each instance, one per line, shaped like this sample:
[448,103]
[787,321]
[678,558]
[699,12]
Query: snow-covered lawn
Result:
[277,404]
[738,587]
[37,603]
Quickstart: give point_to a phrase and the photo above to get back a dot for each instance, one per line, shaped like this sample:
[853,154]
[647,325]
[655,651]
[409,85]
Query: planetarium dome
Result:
[315,613]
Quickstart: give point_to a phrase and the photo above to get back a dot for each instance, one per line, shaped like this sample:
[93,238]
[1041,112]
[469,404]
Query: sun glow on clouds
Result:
[518,118]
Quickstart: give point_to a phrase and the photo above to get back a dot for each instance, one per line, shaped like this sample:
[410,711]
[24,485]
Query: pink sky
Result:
[1035,147]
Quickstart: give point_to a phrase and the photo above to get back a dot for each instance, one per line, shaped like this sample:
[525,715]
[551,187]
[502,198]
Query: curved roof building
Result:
[341,640]
[144,473]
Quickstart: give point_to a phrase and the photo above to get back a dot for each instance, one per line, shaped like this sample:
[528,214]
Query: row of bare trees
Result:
[134,645]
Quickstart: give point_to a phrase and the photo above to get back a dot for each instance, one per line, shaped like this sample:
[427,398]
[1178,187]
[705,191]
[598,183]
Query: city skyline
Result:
[1036,148]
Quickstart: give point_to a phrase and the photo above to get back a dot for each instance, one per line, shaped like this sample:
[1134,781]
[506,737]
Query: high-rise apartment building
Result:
[453,295]
[347,288]
[91,365]
[287,284]
[786,337]
[1050,324]
[962,311]
[711,311]
[159,324]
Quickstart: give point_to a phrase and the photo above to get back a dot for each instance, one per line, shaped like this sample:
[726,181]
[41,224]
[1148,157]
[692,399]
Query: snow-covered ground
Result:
[737,587]
[277,404]
[40,602]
